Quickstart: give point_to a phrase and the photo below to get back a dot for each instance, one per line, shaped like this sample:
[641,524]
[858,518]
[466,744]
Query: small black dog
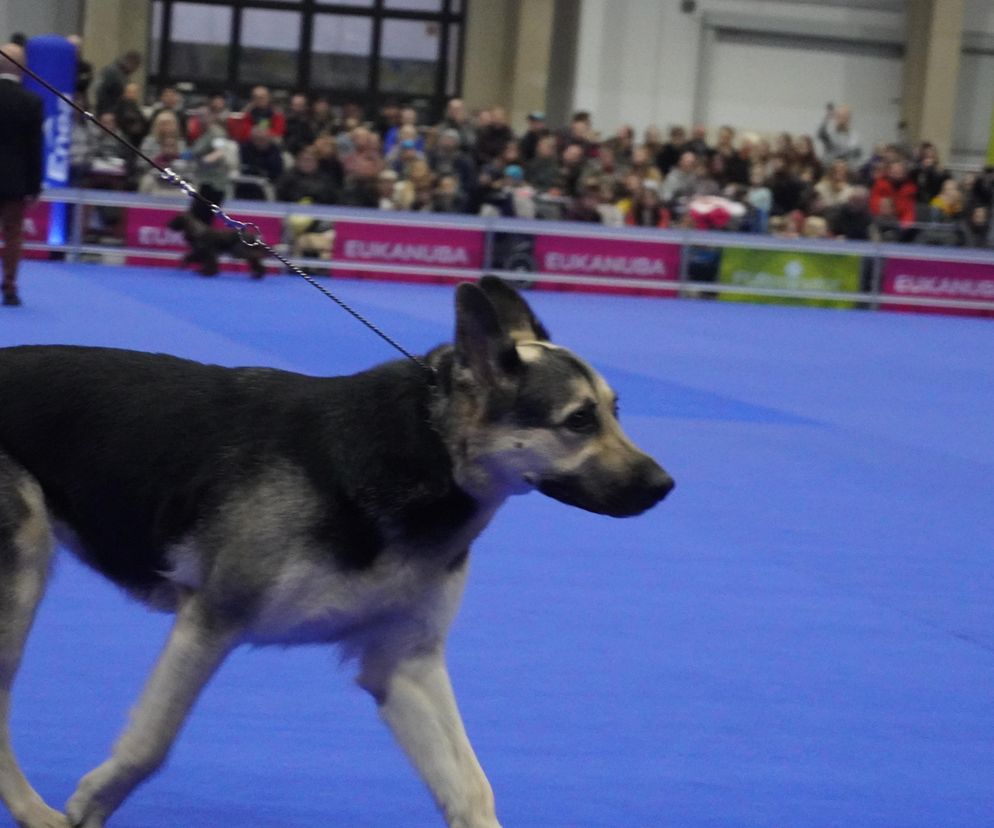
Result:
[206,243]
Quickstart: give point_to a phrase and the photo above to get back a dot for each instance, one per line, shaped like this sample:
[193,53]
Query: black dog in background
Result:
[207,243]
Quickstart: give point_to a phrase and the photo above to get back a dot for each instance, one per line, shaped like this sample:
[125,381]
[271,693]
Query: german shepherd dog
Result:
[262,506]
[207,243]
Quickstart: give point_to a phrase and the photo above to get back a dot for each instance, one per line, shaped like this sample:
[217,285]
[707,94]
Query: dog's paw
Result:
[41,816]
[83,809]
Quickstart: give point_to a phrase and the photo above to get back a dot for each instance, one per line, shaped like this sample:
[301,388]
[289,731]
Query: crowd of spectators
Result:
[309,151]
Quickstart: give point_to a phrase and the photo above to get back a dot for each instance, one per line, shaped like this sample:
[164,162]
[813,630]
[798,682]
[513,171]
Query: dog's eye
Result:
[582,420]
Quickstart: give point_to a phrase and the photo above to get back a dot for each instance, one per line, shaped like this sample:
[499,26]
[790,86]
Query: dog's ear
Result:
[481,342]
[516,318]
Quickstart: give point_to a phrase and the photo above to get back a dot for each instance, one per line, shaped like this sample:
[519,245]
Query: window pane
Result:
[415,5]
[409,56]
[452,69]
[270,46]
[155,37]
[365,4]
[341,47]
[199,41]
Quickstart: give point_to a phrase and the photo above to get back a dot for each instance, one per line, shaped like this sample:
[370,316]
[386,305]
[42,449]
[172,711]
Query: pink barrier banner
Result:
[938,279]
[619,259]
[432,250]
[145,227]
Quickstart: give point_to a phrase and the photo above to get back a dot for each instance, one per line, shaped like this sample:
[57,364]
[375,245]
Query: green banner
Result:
[786,270]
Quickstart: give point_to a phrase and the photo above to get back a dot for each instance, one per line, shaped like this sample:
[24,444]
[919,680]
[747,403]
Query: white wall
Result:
[647,62]
[39,17]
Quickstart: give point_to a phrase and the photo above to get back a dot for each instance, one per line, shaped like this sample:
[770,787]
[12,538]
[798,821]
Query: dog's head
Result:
[525,414]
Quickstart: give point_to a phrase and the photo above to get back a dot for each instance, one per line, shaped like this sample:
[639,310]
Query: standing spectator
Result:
[299,131]
[170,100]
[84,73]
[838,137]
[213,164]
[529,141]
[898,189]
[20,163]
[110,88]
[668,157]
[129,116]
[928,174]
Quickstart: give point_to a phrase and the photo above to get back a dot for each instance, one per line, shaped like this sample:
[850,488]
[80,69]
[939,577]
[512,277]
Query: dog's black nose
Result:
[661,484]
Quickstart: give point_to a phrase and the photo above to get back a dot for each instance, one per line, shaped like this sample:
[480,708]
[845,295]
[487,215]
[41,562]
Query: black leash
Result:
[248,233]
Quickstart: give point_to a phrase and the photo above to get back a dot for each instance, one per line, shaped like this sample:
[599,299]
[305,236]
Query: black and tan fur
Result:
[262,506]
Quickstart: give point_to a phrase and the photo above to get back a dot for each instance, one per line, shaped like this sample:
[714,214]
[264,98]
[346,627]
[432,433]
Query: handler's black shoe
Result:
[10,297]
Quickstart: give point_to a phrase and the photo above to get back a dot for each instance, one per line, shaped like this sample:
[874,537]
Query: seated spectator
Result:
[169,155]
[681,181]
[579,131]
[165,127]
[362,187]
[805,163]
[760,199]
[928,174]
[642,165]
[493,137]
[170,100]
[648,209]
[543,171]
[107,163]
[788,190]
[698,143]
[299,131]
[834,188]
[976,227]
[260,155]
[571,169]
[364,152]
[622,144]
[404,151]
[522,193]
[447,158]
[652,140]
[323,117]
[260,112]
[304,182]
[406,130]
[218,106]
[670,153]
[529,141]
[815,227]
[457,118]
[948,204]
[129,116]
[585,206]
[887,226]
[898,189]
[852,219]
[448,196]
[329,164]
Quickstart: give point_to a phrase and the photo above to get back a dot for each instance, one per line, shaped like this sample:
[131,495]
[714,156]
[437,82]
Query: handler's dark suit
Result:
[20,171]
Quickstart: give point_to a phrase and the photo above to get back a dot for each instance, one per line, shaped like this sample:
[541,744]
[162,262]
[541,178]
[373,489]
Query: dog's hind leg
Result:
[197,645]
[25,555]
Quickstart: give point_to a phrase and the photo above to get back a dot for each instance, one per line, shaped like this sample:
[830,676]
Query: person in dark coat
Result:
[20,163]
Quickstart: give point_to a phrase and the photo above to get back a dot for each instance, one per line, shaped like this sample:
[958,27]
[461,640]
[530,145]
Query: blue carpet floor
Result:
[801,635]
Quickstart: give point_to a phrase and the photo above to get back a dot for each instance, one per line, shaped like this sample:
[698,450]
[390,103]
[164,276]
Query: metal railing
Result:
[77,247]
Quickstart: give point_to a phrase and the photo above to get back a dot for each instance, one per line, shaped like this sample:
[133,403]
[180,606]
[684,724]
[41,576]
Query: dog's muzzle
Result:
[640,489]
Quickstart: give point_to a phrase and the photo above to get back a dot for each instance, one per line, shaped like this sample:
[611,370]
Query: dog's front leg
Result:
[197,645]
[415,699]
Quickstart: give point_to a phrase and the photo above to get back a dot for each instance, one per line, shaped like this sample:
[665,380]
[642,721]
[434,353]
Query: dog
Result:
[206,243]
[267,507]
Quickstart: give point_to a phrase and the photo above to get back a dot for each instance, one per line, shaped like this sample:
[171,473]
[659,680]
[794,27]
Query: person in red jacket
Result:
[897,185]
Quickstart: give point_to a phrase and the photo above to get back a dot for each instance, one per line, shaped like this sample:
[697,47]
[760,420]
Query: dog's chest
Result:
[309,601]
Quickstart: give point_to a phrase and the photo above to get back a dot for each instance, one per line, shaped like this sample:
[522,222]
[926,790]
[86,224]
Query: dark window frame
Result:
[371,98]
